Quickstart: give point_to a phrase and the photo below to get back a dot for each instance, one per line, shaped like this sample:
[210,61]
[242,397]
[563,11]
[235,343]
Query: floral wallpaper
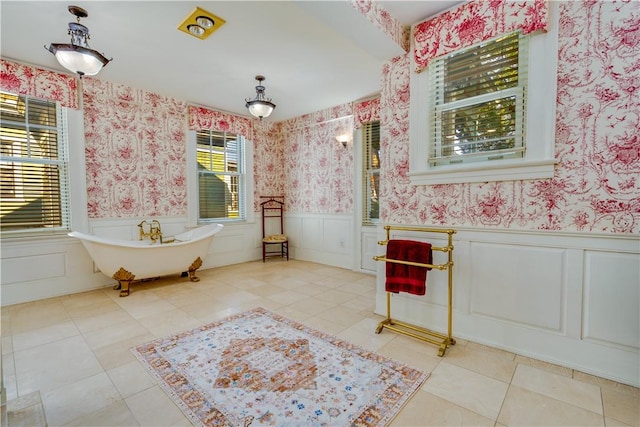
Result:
[40,83]
[205,118]
[135,152]
[381,18]
[269,175]
[318,169]
[596,187]
[473,22]
[136,159]
[366,111]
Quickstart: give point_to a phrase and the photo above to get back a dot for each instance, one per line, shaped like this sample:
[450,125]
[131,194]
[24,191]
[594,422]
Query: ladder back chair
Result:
[274,241]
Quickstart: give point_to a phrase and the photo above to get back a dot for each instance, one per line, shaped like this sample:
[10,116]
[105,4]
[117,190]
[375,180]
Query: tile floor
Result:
[75,351]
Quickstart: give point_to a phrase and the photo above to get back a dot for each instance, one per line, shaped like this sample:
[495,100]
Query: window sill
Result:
[226,223]
[509,171]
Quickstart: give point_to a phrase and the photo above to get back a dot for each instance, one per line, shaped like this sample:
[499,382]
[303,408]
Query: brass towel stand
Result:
[444,341]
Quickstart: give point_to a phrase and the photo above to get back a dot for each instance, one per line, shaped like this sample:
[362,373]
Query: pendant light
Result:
[77,56]
[260,106]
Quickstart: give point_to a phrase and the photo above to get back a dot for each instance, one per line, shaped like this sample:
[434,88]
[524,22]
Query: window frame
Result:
[193,203]
[367,172]
[538,161]
[70,213]
[441,153]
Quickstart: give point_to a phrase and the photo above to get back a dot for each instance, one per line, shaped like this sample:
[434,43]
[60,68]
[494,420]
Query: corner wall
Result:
[544,268]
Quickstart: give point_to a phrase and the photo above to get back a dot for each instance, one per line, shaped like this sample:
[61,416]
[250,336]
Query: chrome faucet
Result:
[154,233]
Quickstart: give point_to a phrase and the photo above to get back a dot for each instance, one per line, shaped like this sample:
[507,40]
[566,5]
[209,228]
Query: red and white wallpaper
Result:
[474,22]
[269,173]
[366,111]
[201,118]
[318,169]
[596,187]
[381,18]
[25,79]
[135,152]
[136,141]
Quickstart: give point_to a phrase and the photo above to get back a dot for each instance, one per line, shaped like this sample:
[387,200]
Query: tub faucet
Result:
[154,233]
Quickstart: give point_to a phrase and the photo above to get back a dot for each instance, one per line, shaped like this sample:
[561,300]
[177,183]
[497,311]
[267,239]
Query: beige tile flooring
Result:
[75,351]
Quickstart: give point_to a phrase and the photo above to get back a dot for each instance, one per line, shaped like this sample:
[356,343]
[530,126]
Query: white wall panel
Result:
[293,230]
[21,269]
[337,236]
[312,236]
[326,239]
[34,269]
[520,284]
[369,249]
[612,298]
[231,241]
[569,299]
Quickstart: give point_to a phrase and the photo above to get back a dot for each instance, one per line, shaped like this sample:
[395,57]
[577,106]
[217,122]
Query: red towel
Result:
[407,278]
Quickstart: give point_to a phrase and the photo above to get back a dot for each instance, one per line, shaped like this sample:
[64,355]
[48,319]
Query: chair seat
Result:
[275,238]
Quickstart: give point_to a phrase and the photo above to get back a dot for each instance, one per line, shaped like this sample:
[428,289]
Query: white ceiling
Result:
[314,54]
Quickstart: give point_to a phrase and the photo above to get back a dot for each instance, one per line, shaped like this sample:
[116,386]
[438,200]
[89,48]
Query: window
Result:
[486,112]
[221,176]
[371,172]
[33,164]
[478,102]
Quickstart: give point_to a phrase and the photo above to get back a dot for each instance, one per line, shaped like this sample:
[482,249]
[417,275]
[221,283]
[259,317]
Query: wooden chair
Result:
[273,228]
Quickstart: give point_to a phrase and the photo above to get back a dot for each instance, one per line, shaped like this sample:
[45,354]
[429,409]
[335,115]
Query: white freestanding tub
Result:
[129,260]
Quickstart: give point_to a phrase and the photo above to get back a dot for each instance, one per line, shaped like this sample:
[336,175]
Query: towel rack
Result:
[444,341]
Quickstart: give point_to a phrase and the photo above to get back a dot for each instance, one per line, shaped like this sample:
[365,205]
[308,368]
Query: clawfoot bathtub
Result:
[129,260]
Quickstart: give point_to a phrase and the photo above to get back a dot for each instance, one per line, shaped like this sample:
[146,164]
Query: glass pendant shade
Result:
[78,59]
[260,109]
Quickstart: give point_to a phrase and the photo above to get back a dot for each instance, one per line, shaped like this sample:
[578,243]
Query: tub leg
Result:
[124,278]
[192,270]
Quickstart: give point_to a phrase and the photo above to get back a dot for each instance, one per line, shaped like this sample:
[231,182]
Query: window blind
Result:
[478,100]
[221,175]
[34,165]
[370,172]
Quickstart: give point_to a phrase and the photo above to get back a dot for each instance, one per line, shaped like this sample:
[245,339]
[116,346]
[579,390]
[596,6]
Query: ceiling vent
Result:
[201,24]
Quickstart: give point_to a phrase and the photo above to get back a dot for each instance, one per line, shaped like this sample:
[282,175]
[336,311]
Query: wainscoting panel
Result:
[569,299]
[326,239]
[293,230]
[337,236]
[611,296]
[523,284]
[312,236]
[34,268]
[369,249]
[20,269]
[234,244]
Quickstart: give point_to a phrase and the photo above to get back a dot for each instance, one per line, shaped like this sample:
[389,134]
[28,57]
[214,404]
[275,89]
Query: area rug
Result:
[258,368]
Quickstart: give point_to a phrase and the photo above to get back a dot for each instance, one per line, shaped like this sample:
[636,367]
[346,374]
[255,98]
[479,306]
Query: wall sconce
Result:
[343,139]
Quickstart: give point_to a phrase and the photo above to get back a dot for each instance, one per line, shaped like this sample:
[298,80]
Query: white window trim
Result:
[77,171]
[192,183]
[539,159]
[78,219]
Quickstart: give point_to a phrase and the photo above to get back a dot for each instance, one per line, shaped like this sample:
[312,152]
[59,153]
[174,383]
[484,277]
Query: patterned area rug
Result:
[259,368]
